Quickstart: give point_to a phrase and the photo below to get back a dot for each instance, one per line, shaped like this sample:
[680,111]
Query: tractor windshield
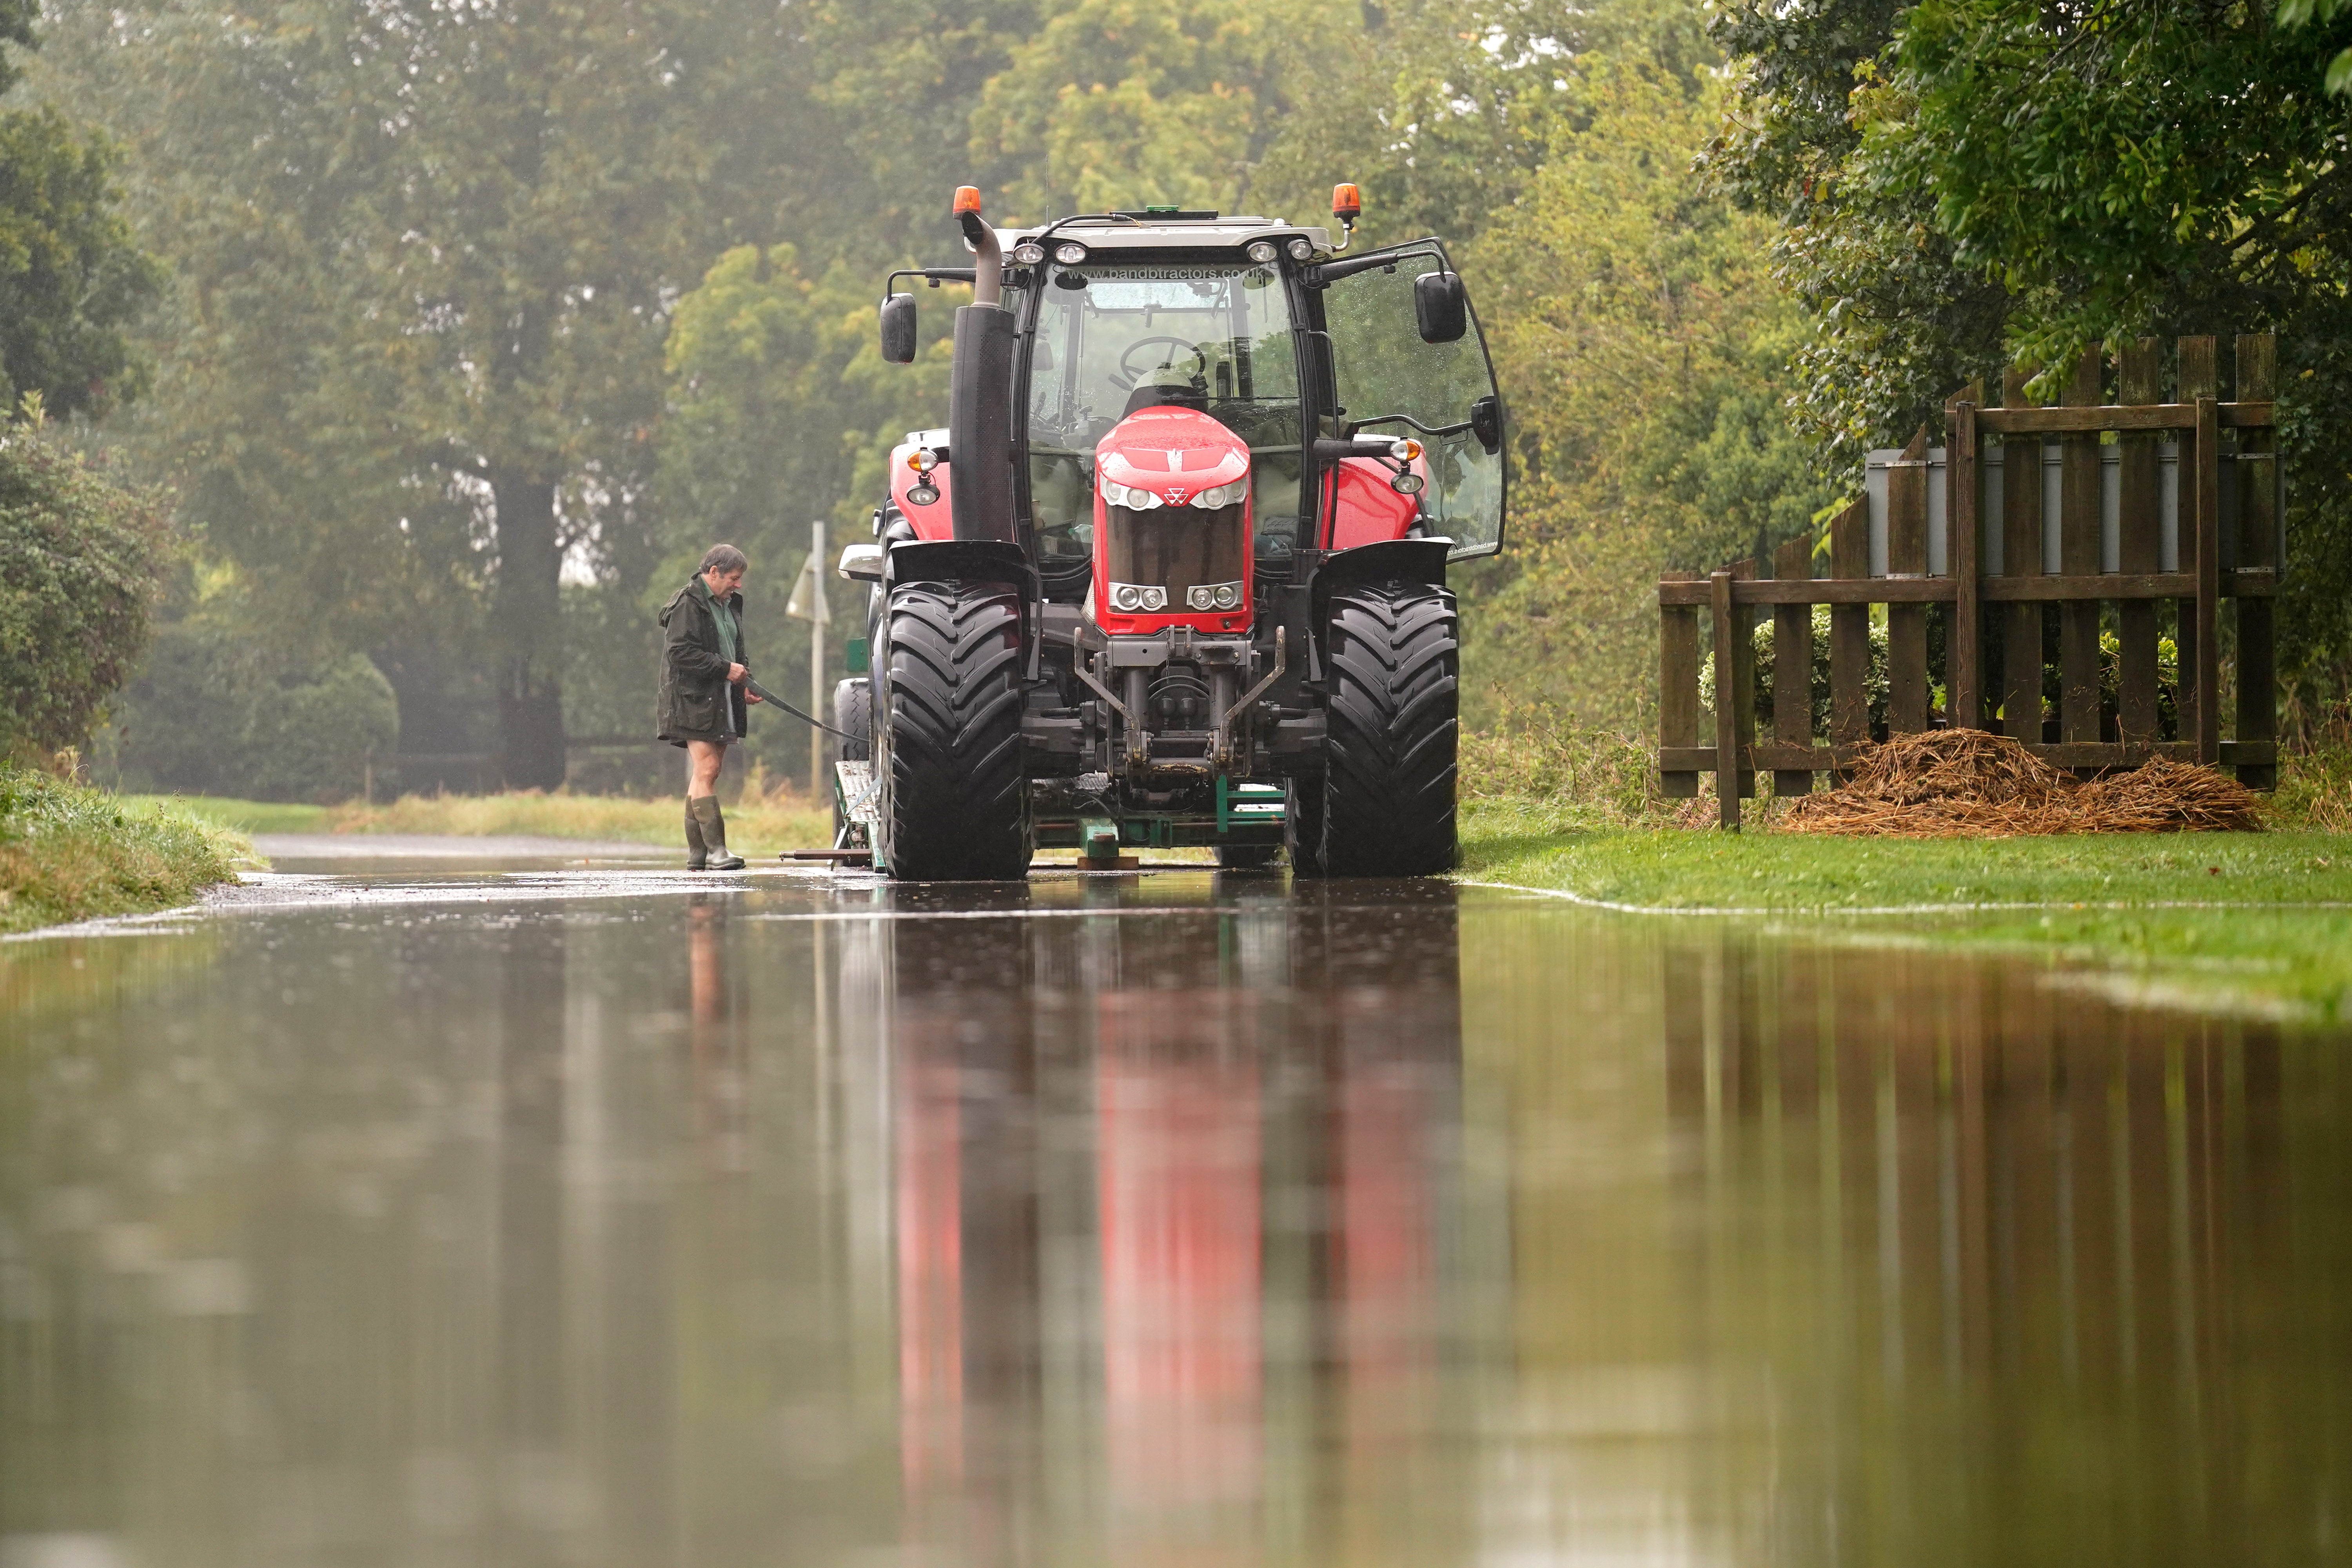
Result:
[1115,337]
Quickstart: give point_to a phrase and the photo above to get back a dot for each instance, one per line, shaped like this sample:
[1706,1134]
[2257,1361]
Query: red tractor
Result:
[1175,572]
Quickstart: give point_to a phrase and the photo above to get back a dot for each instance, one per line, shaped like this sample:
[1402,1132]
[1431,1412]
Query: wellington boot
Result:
[714,833]
[697,854]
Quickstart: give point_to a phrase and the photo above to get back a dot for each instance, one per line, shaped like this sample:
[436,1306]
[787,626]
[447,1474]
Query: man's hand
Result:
[753,696]
[737,674]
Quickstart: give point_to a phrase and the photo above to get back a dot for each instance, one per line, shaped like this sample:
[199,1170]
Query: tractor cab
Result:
[1179,445]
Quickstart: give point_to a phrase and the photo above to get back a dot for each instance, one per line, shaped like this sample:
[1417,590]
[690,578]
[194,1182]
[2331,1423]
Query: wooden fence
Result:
[2037,509]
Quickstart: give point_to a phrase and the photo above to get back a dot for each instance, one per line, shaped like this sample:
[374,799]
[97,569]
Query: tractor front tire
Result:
[954,802]
[1389,754]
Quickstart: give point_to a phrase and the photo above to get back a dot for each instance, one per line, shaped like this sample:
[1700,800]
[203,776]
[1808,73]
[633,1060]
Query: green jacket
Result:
[694,672]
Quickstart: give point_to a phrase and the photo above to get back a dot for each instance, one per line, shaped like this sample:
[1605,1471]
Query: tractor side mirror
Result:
[898,329]
[1440,306]
[1486,423]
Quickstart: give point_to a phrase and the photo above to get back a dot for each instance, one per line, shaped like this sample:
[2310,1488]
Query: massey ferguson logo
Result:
[1173,497]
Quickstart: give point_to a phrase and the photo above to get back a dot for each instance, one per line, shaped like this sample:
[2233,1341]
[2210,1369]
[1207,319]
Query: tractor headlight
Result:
[1214,595]
[1132,497]
[1262,251]
[1028,253]
[1126,596]
[1155,598]
[1069,255]
[1216,496]
[1228,595]
[1301,248]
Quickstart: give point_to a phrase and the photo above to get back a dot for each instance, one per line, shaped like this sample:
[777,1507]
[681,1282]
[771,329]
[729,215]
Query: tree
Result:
[1964,182]
[1641,339]
[783,412]
[427,257]
[71,278]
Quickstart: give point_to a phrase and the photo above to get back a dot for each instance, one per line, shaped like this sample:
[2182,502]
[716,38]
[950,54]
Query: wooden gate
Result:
[2038,507]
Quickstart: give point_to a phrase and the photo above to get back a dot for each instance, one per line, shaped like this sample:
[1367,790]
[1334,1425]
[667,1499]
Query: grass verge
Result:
[2229,919]
[69,853]
[764,825]
[2240,920]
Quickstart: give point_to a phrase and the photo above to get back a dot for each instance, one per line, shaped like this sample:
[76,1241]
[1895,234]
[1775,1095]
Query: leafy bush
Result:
[81,562]
[217,713]
[1539,754]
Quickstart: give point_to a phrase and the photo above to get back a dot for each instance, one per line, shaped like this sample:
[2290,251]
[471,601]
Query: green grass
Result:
[766,825]
[69,853]
[2259,931]
[238,815]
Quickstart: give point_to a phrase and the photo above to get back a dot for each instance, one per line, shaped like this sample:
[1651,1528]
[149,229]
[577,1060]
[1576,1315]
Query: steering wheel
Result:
[1129,375]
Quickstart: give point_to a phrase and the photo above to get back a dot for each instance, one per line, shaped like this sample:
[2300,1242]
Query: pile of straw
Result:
[1950,783]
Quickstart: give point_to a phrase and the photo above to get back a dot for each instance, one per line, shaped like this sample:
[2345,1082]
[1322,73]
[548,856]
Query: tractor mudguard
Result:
[961,559]
[1404,560]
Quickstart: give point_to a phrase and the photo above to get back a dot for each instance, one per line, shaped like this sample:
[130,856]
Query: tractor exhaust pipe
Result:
[980,390]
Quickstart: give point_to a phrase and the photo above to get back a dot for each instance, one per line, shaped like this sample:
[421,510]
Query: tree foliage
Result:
[1636,323]
[82,560]
[1962,184]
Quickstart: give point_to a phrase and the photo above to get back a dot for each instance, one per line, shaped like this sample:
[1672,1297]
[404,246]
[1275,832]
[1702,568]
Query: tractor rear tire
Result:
[1389,754]
[852,715]
[954,803]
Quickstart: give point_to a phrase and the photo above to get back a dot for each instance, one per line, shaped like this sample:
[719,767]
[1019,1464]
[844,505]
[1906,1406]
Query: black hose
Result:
[772,700]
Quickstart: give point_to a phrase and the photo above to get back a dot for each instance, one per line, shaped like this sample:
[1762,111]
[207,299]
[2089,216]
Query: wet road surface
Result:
[622,1217]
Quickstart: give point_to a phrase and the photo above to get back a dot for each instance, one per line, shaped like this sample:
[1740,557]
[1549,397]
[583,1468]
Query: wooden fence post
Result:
[1727,704]
[1907,556]
[1678,689]
[2078,555]
[2020,548]
[1850,633]
[1792,668]
[2193,634]
[2140,380]
[2257,549]
[1964,632]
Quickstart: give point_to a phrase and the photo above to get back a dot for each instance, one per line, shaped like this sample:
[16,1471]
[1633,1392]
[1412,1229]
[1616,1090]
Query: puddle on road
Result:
[590,1220]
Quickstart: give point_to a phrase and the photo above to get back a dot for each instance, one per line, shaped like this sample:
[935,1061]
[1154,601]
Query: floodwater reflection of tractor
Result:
[1174,572]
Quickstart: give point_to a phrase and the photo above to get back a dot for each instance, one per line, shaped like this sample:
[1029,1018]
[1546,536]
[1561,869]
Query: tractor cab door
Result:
[1407,359]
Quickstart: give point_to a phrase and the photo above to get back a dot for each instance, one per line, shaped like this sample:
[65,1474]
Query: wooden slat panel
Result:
[2139,379]
[2125,585]
[2156,416]
[1964,648]
[2257,547]
[1907,556]
[1850,628]
[2199,378]
[2263,584]
[2102,754]
[1819,591]
[2021,482]
[1677,690]
[1792,667]
[2078,555]
[1743,668]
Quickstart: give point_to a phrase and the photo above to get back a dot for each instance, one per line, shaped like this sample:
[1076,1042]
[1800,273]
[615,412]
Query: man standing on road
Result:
[703,702]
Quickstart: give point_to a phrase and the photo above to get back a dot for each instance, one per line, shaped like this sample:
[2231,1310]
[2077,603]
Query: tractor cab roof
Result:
[1163,230]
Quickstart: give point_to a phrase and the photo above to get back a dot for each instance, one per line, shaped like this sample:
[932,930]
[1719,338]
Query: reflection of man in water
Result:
[714,1045]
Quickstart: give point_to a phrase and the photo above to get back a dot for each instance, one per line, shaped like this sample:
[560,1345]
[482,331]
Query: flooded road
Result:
[579,1217]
